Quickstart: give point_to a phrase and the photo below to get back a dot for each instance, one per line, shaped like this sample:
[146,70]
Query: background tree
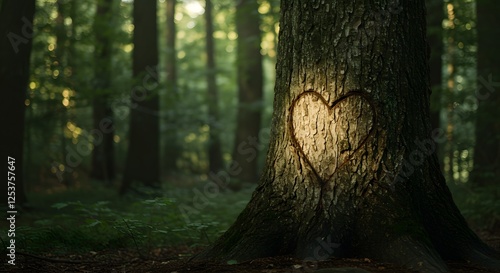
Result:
[142,163]
[61,60]
[16,26]
[351,162]
[172,146]
[250,89]
[215,162]
[103,161]
[459,61]
[487,148]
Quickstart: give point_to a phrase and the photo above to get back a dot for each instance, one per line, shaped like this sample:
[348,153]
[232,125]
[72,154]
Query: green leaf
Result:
[94,223]
[160,231]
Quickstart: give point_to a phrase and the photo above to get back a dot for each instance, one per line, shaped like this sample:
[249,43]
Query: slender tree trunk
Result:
[214,145]
[16,26]
[249,63]
[61,62]
[487,149]
[351,169]
[450,123]
[103,163]
[142,163]
[172,147]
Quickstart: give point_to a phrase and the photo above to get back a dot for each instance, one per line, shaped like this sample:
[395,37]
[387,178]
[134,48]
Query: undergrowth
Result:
[78,221]
[480,206]
[170,217]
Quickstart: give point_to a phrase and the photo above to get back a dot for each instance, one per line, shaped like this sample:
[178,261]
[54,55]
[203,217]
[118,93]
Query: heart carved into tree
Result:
[327,136]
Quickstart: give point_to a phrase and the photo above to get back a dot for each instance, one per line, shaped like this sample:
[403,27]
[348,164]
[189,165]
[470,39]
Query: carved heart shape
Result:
[330,138]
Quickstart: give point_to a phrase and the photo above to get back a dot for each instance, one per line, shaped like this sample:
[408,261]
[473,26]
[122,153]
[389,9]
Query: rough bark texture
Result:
[142,163]
[435,16]
[103,163]
[351,168]
[249,64]
[487,149]
[16,30]
[214,145]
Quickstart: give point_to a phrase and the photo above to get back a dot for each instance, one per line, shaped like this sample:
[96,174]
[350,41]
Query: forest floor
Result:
[176,260]
[93,236]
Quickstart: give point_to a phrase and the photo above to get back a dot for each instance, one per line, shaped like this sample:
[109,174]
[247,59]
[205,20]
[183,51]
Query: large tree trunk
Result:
[351,168]
[215,162]
[142,163]
[16,28]
[435,15]
[487,149]
[249,63]
[103,163]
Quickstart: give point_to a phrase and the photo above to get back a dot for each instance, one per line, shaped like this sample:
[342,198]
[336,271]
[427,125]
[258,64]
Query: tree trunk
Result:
[249,62]
[214,145]
[103,163]
[435,16]
[172,145]
[60,63]
[142,163]
[487,149]
[351,169]
[16,26]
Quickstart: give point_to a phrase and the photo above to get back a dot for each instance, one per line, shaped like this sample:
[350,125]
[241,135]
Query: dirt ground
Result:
[175,260]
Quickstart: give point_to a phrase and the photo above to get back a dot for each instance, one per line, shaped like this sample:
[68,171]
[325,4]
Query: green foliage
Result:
[83,226]
[62,86]
[459,83]
[480,206]
[65,78]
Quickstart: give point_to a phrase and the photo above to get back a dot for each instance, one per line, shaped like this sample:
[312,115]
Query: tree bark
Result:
[435,16]
[103,162]
[249,64]
[16,28]
[142,163]
[215,162]
[487,149]
[351,169]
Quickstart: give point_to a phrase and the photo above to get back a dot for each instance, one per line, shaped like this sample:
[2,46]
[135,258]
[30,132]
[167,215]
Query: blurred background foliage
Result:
[61,87]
